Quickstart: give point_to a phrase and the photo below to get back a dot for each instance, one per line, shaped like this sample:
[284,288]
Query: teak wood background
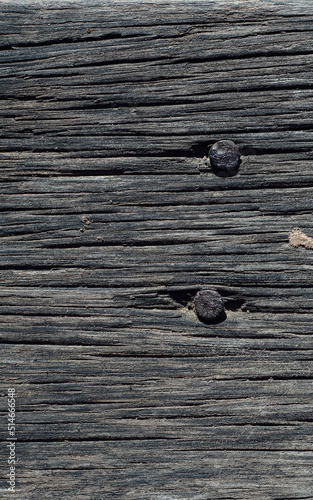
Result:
[112,220]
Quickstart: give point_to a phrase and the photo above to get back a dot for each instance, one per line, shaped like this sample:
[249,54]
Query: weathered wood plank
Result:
[112,220]
[173,462]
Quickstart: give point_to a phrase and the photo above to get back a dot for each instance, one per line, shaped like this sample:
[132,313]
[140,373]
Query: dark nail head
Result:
[225,157]
[208,305]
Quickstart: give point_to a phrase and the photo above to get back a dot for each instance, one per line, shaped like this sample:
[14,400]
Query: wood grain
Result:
[112,220]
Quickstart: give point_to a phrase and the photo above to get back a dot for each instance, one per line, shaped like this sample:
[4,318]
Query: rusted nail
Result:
[208,305]
[224,157]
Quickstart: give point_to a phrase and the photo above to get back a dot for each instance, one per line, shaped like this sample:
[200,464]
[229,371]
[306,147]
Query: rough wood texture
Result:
[112,221]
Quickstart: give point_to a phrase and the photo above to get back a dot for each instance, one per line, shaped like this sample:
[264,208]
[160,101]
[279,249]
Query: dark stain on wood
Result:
[112,221]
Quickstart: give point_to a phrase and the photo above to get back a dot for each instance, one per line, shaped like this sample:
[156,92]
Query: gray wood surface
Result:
[112,220]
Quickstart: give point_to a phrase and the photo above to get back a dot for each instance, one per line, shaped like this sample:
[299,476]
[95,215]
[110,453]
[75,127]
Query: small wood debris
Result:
[297,238]
[85,221]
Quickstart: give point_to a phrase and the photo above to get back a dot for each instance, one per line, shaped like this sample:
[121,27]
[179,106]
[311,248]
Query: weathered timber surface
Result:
[112,220]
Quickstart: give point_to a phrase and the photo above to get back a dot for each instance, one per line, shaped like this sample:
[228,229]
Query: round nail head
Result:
[208,305]
[225,156]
